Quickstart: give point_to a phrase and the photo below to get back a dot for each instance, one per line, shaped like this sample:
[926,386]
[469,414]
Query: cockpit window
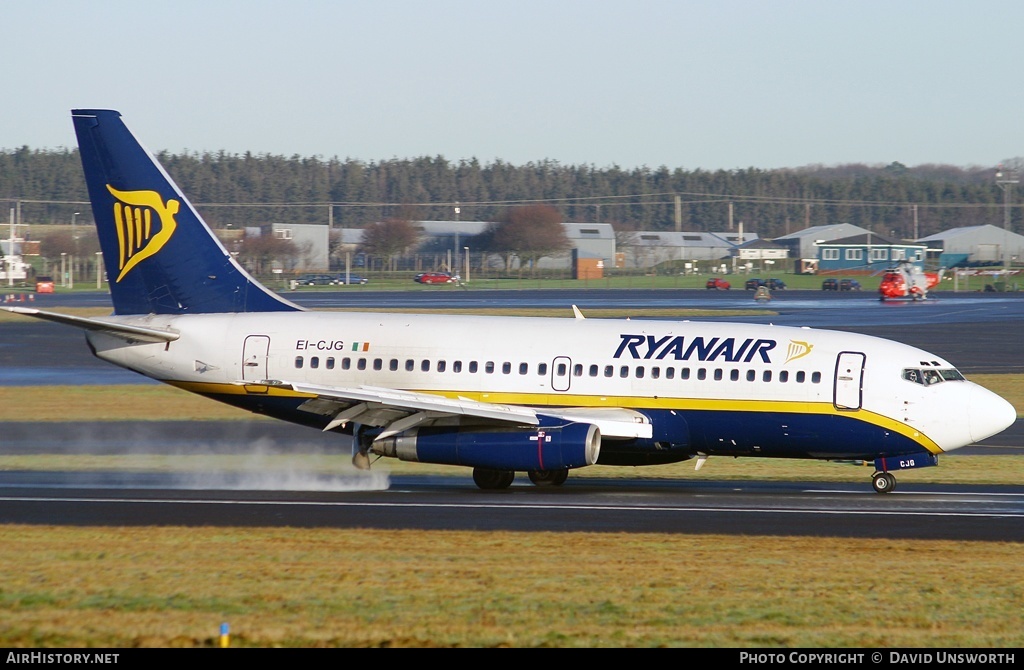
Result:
[928,376]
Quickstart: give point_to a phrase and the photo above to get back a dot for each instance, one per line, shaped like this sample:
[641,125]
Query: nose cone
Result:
[988,414]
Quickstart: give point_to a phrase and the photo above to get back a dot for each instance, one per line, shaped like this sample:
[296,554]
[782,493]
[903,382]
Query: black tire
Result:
[883,482]
[549,477]
[493,480]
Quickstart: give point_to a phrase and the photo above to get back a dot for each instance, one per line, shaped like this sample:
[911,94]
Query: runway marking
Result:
[601,508]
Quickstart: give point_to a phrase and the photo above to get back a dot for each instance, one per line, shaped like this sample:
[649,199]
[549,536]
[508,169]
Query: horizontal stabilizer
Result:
[122,330]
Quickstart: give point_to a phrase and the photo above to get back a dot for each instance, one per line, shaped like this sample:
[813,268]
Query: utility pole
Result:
[458,216]
[1005,179]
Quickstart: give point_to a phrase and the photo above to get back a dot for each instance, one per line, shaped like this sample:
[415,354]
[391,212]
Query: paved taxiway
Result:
[977,332]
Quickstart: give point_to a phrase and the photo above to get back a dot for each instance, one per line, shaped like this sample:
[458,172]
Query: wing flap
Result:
[378,406]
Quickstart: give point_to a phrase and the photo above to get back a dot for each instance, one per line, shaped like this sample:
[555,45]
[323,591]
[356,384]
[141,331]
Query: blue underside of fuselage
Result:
[681,434]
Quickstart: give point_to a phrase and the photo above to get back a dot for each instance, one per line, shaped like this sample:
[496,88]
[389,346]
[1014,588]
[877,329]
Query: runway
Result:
[977,332]
[583,504]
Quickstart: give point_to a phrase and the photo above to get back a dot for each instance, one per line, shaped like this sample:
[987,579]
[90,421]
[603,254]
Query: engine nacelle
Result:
[572,445]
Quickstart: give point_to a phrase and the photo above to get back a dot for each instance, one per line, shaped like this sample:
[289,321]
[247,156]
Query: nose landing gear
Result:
[883,482]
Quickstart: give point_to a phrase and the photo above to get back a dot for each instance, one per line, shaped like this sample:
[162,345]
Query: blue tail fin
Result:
[160,255]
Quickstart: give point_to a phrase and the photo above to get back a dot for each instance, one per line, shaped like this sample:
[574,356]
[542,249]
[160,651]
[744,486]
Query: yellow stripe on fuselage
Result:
[629,402]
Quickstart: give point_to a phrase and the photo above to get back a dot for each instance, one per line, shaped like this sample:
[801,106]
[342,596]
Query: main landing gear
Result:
[883,482]
[492,480]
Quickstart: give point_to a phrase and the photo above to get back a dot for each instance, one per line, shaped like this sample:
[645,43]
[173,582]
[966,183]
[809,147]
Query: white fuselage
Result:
[670,366]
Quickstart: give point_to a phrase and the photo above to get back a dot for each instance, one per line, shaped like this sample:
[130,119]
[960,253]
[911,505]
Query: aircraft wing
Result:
[122,330]
[397,411]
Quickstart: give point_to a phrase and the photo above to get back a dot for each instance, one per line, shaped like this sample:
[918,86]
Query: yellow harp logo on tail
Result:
[138,235]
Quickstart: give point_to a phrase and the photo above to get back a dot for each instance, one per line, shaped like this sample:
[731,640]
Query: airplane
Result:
[500,395]
[907,280]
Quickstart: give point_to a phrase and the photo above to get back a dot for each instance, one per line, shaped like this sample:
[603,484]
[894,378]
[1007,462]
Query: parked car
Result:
[44,284]
[352,279]
[718,283]
[316,280]
[830,285]
[849,285]
[434,278]
[772,283]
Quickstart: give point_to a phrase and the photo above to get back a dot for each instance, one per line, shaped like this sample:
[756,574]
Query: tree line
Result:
[237,190]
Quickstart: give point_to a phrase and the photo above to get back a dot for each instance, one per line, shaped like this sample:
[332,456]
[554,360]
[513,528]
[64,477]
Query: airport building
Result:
[866,254]
[974,245]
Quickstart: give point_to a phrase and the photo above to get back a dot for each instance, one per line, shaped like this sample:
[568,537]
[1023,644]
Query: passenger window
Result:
[441,366]
[489,367]
[577,370]
[346,363]
[298,361]
[542,369]
[361,364]
[330,363]
[393,364]
[593,370]
[816,378]
[639,372]
[767,376]
[670,373]
[506,368]
[800,377]
[410,365]
[378,364]
[473,367]
[702,374]
[457,366]
[608,371]
[734,375]
[655,372]
[314,362]
[425,366]
[524,368]
[784,376]
[718,374]
[751,375]
[684,373]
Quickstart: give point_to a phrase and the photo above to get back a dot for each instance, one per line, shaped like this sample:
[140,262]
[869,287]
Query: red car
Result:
[434,278]
[720,284]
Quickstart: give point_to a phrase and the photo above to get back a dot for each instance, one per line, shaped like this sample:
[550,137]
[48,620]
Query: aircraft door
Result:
[255,352]
[561,373]
[849,381]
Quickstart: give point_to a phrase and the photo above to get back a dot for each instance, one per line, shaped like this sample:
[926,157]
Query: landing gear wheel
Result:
[884,482]
[549,477]
[493,480]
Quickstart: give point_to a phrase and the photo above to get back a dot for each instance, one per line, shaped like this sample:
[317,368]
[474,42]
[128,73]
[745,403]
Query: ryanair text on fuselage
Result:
[652,347]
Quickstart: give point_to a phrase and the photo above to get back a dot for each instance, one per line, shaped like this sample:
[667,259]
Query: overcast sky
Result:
[714,84]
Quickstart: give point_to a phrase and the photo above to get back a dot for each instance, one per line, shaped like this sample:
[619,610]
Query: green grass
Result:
[174,587]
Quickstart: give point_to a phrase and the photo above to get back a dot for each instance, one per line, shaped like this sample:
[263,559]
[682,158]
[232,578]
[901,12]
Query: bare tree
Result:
[528,233]
[259,251]
[389,237]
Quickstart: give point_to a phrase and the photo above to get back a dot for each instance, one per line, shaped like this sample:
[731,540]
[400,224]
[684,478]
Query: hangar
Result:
[975,245]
